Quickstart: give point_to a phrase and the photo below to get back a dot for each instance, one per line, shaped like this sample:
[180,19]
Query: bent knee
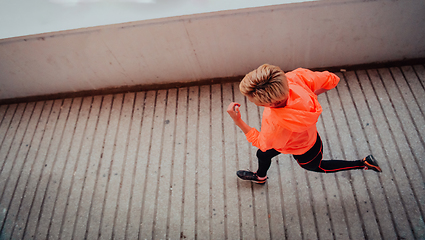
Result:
[269,154]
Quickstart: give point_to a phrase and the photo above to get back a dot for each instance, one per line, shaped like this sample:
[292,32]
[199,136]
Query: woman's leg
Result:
[265,160]
[312,161]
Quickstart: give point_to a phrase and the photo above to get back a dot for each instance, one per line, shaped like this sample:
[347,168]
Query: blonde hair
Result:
[267,84]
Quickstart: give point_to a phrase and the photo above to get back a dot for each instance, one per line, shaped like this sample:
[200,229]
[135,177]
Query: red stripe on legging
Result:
[338,169]
[321,147]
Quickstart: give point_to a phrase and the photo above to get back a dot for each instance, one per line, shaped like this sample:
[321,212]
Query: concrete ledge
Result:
[137,88]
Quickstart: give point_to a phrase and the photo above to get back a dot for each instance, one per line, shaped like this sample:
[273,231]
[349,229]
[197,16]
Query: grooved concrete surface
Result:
[161,165]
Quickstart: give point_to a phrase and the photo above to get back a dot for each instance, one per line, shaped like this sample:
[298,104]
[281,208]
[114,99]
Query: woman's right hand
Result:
[233,111]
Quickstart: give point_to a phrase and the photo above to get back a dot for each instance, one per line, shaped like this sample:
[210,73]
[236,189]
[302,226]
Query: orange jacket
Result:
[292,129]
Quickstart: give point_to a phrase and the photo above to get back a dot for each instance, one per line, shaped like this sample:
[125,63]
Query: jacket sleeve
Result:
[318,80]
[253,137]
[268,138]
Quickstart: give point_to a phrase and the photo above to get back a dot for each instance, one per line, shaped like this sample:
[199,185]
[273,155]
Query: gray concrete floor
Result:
[161,165]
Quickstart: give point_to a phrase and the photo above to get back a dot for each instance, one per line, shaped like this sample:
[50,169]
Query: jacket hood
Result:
[302,110]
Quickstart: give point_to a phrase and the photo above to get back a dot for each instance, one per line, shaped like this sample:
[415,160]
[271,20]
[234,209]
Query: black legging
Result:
[311,160]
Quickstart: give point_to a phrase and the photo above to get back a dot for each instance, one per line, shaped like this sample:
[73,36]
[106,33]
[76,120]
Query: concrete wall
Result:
[212,45]
[26,17]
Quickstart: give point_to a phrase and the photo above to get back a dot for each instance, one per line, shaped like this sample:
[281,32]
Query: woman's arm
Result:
[233,111]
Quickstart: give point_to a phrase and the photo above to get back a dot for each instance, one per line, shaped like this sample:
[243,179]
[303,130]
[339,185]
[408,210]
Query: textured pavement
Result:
[161,165]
